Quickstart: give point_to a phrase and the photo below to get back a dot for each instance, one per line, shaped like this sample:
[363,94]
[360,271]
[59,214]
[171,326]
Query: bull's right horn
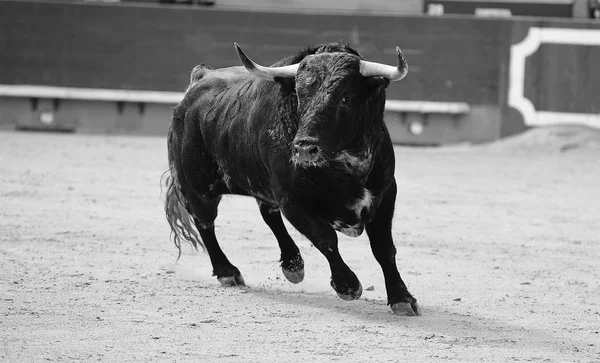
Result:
[265,72]
[373,69]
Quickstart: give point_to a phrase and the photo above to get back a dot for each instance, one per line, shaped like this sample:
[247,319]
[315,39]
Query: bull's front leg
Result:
[323,236]
[379,231]
[292,263]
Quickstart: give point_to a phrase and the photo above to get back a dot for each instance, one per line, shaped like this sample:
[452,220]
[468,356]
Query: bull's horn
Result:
[372,69]
[265,72]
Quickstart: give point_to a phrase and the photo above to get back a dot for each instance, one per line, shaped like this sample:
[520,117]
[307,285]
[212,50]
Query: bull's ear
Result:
[375,84]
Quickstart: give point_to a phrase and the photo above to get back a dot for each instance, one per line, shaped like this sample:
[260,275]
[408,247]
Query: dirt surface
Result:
[500,243]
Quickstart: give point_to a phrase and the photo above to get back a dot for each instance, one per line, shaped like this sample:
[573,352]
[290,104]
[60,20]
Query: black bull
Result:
[306,138]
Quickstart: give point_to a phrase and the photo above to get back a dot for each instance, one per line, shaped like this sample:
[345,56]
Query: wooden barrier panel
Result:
[554,76]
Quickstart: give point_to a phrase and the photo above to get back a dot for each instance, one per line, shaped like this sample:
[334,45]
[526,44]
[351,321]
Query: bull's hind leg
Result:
[204,211]
[380,235]
[195,188]
[292,263]
[200,182]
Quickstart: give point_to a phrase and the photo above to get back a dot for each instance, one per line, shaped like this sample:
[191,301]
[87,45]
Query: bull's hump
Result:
[232,72]
[204,75]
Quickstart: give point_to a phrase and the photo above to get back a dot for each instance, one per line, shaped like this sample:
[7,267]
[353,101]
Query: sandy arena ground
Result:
[500,244]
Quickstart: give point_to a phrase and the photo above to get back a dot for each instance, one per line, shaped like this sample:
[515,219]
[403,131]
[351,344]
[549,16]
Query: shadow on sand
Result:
[445,325]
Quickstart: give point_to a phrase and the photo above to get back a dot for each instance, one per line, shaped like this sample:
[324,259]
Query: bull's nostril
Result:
[298,149]
[307,152]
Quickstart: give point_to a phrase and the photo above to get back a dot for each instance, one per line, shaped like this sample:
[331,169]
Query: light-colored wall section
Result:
[481,124]
[87,116]
[11,109]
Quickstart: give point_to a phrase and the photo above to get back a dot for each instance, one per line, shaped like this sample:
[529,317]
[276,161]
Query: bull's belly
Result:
[351,230]
[351,217]
[355,216]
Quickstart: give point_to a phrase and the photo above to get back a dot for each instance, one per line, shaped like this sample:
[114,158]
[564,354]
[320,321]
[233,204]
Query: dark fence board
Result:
[154,48]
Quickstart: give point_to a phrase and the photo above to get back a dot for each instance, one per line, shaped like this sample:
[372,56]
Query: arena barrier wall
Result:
[554,75]
[120,68]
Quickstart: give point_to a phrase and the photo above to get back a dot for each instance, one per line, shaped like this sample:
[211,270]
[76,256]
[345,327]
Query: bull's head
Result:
[340,101]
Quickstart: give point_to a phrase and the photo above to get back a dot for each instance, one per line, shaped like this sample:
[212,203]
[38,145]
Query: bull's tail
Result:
[176,206]
[181,222]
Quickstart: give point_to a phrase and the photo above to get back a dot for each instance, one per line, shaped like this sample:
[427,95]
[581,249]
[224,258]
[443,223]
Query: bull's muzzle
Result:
[306,152]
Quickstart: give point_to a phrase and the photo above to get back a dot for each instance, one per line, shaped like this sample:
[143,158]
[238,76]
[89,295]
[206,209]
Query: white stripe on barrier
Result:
[545,118]
[115,95]
[90,94]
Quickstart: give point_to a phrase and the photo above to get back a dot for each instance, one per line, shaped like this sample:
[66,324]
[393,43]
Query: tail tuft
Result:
[181,222]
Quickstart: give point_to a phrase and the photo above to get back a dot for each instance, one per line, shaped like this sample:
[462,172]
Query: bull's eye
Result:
[346,100]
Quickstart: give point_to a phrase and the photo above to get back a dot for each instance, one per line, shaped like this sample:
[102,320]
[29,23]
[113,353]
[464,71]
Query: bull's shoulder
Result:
[384,165]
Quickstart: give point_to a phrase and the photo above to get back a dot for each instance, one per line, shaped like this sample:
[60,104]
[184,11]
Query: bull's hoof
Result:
[293,269]
[293,276]
[232,281]
[350,294]
[406,309]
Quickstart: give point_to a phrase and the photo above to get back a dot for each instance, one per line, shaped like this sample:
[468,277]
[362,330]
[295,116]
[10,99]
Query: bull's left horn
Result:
[373,69]
[265,72]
